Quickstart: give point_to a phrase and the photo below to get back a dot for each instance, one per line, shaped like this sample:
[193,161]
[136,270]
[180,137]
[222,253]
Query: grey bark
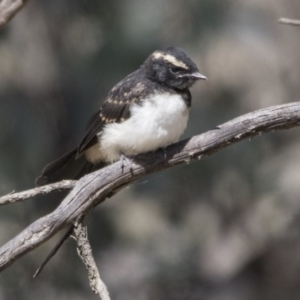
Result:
[94,188]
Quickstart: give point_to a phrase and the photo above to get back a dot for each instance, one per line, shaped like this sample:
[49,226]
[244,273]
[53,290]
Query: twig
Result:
[94,188]
[8,9]
[287,21]
[43,190]
[84,250]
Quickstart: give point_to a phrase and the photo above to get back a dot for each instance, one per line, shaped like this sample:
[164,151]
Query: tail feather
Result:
[66,167]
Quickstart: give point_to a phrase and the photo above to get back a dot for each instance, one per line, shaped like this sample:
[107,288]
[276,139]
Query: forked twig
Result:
[84,250]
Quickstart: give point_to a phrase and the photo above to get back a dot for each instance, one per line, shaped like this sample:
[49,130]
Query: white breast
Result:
[157,123]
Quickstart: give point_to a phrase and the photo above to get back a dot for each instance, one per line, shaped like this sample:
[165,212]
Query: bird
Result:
[145,111]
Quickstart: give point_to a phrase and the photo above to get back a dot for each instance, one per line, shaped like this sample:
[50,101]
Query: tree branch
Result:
[289,21]
[8,9]
[85,253]
[42,190]
[94,188]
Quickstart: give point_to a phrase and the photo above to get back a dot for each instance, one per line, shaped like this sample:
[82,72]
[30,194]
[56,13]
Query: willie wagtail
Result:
[145,111]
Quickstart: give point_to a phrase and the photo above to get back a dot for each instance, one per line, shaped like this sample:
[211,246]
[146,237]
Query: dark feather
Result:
[66,167]
[90,138]
[187,97]
[115,109]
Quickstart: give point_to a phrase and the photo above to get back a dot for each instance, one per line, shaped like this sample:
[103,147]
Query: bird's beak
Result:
[197,76]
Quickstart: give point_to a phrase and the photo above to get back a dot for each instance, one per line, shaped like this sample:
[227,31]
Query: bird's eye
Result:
[175,70]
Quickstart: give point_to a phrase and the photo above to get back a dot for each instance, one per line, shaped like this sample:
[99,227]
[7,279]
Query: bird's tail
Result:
[66,167]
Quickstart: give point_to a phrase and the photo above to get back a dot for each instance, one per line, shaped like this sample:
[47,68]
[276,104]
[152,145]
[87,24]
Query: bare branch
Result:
[94,188]
[8,9]
[287,21]
[42,190]
[84,250]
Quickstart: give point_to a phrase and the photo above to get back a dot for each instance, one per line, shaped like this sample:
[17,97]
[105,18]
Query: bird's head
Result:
[173,68]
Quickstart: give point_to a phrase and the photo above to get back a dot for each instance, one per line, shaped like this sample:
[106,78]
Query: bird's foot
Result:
[126,160]
[165,153]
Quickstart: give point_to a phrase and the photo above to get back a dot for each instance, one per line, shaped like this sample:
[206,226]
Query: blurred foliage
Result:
[218,229]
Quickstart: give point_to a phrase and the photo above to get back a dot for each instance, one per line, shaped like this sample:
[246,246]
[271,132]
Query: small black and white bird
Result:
[145,111]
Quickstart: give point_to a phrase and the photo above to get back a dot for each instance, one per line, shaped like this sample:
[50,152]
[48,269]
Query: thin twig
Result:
[42,190]
[8,9]
[84,250]
[287,21]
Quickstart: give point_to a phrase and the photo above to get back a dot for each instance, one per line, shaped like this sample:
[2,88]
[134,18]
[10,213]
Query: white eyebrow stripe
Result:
[170,59]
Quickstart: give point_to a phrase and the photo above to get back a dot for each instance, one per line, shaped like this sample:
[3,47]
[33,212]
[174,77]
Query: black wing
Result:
[109,113]
[115,109]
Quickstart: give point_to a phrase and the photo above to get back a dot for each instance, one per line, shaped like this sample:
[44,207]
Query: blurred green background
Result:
[223,228]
